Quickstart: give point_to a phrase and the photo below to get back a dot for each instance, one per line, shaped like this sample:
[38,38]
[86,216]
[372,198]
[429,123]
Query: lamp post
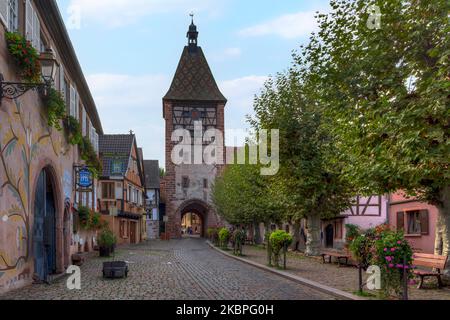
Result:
[14,90]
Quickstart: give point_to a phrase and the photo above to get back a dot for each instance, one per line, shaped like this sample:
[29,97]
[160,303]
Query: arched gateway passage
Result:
[193,216]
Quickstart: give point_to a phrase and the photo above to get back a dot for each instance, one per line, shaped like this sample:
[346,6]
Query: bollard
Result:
[361,286]
[405,279]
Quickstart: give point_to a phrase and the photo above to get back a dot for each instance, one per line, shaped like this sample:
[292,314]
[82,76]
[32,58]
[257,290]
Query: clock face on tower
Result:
[184,116]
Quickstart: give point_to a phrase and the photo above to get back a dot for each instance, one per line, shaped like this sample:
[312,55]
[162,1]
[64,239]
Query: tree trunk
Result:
[296,242]
[257,233]
[313,245]
[442,242]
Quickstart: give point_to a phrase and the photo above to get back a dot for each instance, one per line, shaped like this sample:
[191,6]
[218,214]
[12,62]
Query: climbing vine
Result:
[56,108]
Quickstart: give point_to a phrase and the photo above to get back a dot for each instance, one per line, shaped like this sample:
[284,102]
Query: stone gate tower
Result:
[193,96]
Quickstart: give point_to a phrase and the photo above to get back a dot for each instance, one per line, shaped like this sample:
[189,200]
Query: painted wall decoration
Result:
[25,139]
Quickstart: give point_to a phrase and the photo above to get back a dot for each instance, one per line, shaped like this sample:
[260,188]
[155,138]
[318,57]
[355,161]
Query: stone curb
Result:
[342,295]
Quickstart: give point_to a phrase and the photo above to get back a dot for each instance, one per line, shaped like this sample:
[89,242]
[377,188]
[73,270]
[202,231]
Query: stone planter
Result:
[106,251]
[115,269]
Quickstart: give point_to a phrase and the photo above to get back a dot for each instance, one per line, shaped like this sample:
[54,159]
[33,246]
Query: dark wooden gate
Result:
[44,229]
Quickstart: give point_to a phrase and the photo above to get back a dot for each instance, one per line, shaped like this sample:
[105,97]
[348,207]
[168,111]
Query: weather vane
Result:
[192,16]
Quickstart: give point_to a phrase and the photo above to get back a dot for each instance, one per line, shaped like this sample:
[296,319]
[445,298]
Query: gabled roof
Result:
[115,149]
[151,169]
[194,80]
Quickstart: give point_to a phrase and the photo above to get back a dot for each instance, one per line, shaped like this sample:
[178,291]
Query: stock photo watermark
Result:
[74,14]
[208,148]
[74,280]
[374,20]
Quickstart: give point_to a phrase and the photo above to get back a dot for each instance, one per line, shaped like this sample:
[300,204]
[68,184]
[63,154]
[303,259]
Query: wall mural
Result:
[22,141]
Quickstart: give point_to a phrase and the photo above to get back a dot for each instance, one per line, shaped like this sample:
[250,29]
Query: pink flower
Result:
[393,250]
[385,249]
[389,259]
[391,265]
[399,242]
[399,266]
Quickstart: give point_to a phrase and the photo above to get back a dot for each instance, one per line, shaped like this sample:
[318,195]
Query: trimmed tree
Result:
[309,183]
[386,90]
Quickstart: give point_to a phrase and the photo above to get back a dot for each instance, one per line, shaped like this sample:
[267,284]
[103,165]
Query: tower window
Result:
[205,183]
[185,182]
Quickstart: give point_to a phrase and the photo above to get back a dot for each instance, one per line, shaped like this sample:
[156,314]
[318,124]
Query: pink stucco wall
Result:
[27,146]
[423,243]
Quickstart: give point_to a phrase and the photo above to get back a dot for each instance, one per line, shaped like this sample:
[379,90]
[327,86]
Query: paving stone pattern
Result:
[178,269]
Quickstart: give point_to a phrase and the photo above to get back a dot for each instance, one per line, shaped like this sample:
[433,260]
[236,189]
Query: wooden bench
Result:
[339,255]
[434,262]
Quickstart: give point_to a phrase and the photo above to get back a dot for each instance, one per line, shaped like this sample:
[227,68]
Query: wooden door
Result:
[133,232]
[329,236]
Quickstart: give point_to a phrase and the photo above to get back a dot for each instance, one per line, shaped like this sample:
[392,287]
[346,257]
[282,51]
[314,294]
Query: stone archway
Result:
[198,208]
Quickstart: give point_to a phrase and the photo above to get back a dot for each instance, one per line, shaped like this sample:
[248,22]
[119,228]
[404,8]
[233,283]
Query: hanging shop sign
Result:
[84,181]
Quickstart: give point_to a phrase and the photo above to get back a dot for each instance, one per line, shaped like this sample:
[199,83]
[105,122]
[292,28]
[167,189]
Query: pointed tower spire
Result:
[192,35]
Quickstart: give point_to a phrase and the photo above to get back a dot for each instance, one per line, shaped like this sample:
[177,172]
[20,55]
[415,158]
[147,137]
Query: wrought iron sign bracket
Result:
[14,90]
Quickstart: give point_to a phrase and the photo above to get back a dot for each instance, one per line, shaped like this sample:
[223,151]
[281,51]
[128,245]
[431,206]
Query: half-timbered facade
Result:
[366,212]
[121,187]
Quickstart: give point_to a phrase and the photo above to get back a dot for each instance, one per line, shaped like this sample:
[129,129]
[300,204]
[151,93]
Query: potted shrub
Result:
[394,255]
[224,237]
[106,242]
[213,235]
[279,240]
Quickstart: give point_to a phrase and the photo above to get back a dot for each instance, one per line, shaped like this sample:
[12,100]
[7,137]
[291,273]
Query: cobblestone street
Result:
[179,269]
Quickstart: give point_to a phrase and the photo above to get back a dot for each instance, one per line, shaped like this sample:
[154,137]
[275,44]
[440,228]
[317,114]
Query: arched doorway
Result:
[191,225]
[194,213]
[329,236]
[44,229]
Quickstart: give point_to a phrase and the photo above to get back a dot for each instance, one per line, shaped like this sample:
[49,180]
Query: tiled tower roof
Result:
[193,79]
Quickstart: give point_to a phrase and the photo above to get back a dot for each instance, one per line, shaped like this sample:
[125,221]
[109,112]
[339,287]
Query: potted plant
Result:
[106,242]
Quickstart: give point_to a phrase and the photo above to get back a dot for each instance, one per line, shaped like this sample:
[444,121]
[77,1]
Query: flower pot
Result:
[105,251]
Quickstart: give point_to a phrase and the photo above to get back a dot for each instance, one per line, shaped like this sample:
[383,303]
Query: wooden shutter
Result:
[62,89]
[77,105]
[424,222]
[36,32]
[72,102]
[4,9]
[400,221]
[83,121]
[29,14]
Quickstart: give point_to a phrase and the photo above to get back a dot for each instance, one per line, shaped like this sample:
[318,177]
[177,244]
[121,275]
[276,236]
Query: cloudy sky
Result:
[129,51]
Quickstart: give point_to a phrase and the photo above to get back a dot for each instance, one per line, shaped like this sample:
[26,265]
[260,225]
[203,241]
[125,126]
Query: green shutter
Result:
[424,222]
[400,221]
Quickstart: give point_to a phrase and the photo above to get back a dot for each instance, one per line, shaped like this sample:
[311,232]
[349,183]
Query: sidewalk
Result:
[343,278]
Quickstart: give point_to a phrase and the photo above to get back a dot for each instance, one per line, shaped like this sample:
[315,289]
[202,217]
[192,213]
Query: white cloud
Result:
[287,26]
[119,91]
[116,13]
[240,93]
[232,52]
[127,102]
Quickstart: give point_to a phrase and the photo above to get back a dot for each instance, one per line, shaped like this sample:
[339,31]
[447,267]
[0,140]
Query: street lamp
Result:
[13,90]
